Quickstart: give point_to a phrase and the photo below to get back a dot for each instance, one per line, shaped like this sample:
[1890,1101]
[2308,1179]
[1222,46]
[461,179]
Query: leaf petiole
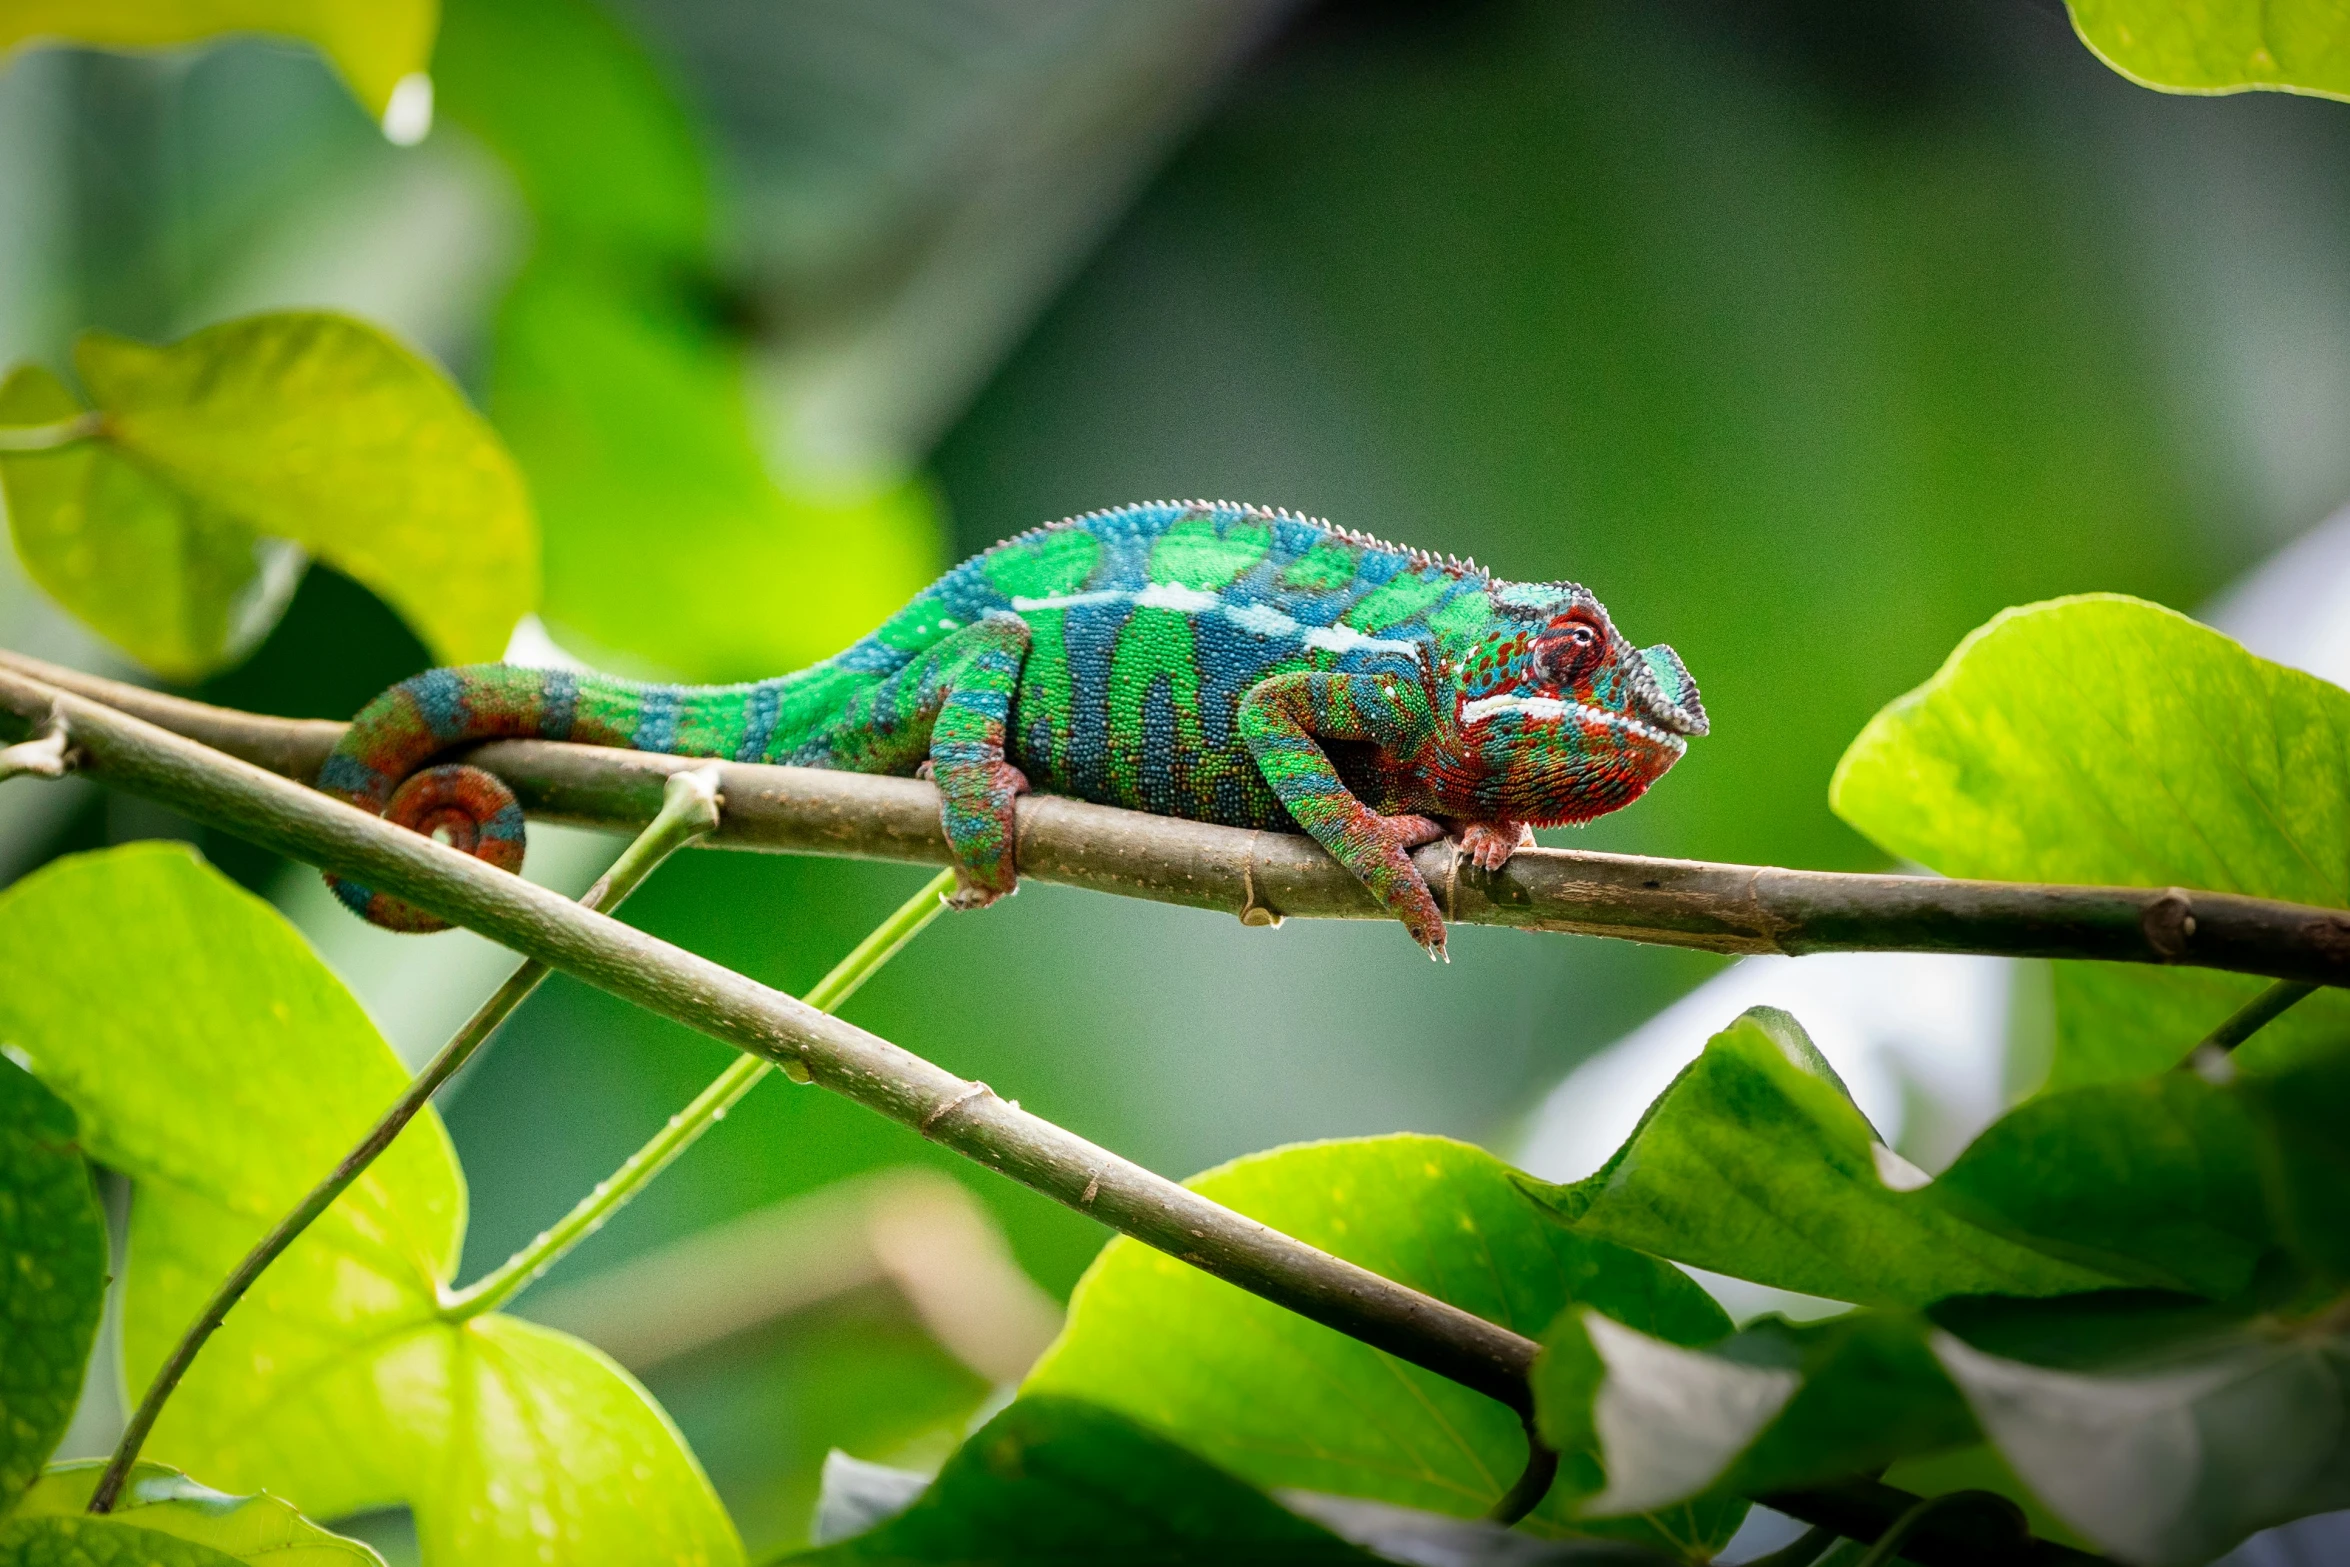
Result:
[52,437]
[517,1272]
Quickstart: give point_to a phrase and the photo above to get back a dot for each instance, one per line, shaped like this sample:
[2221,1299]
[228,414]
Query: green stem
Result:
[689,810]
[51,437]
[2211,1057]
[510,1278]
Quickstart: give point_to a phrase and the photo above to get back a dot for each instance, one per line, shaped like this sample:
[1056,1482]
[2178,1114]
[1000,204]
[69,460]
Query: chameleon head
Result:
[1558,718]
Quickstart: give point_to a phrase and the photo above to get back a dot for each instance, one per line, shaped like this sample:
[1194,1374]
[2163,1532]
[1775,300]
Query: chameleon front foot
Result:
[1379,850]
[1489,845]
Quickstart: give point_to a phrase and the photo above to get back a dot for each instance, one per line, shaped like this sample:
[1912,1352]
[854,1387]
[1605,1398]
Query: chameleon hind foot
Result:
[1489,845]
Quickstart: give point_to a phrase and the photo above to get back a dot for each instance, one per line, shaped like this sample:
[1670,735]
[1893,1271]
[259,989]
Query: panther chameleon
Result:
[1225,663]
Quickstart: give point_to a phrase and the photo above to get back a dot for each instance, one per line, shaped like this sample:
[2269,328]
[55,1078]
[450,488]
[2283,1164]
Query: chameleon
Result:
[1225,663]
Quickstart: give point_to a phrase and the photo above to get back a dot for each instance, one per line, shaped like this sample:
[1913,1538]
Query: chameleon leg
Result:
[1280,720]
[977,671]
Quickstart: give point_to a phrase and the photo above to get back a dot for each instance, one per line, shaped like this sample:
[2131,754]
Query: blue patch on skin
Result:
[559,707]
[439,695]
[764,707]
[341,773]
[656,719]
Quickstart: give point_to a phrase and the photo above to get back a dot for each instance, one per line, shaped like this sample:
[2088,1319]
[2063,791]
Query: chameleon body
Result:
[1225,663]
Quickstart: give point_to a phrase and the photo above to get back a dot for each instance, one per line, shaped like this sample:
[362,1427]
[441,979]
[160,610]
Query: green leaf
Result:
[181,587]
[2222,46]
[164,1501]
[302,427]
[2154,1182]
[1756,1163]
[375,44]
[1777,1406]
[1056,1479]
[670,541]
[98,1542]
[215,1060]
[52,1274]
[2105,740]
[1282,1401]
[2155,1432]
[676,541]
[2305,1157]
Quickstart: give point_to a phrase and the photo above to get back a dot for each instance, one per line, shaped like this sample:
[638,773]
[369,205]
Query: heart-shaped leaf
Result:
[1283,1401]
[2106,740]
[215,1060]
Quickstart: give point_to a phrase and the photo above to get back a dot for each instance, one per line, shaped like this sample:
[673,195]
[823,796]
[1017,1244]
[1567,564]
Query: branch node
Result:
[46,753]
[2168,921]
[1254,913]
[953,1102]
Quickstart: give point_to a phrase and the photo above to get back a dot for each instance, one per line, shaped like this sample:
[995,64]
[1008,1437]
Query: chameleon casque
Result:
[1224,663]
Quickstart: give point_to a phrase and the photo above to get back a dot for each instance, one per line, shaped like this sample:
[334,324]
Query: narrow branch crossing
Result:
[1263,877]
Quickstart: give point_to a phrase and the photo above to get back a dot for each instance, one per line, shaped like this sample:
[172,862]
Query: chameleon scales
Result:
[1224,663]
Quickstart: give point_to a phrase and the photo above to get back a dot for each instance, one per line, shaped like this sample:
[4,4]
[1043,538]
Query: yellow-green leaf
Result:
[172,528]
[2221,46]
[164,1501]
[377,45]
[2106,740]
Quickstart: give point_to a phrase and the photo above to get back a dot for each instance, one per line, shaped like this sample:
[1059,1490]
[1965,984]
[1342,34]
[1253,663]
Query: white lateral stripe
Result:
[1261,620]
[1346,639]
[1552,707]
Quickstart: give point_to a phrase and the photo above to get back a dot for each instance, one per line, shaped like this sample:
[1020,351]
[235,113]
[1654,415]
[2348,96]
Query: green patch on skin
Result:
[1155,643]
[712,728]
[1327,567]
[1193,554]
[1048,565]
[1466,617]
[1398,600]
[1044,693]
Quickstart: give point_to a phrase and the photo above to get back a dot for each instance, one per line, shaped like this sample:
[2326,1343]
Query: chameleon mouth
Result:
[1582,712]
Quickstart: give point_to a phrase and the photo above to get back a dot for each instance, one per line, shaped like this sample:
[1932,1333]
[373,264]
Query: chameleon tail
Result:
[376,767]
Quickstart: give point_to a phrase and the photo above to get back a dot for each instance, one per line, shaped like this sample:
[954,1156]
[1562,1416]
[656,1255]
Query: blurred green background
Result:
[1808,334]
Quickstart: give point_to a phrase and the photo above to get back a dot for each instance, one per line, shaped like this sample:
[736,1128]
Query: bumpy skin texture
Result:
[1224,663]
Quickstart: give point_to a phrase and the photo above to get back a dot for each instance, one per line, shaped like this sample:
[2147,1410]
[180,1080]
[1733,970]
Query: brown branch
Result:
[265,808]
[1264,876]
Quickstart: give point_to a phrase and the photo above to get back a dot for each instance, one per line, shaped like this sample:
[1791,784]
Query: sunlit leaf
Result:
[219,1064]
[376,44]
[179,586]
[1756,1163]
[98,1542]
[2105,740]
[164,1501]
[301,427]
[2222,45]
[1285,1402]
[52,1274]
[1054,1479]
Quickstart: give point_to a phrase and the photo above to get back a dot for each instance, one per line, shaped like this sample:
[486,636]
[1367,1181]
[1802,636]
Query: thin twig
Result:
[1533,1482]
[1260,876]
[511,1277]
[44,754]
[690,811]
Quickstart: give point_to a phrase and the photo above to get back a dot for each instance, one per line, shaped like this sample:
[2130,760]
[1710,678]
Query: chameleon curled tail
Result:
[379,767]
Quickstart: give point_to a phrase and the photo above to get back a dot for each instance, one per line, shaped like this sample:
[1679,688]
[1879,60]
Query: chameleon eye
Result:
[1566,653]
